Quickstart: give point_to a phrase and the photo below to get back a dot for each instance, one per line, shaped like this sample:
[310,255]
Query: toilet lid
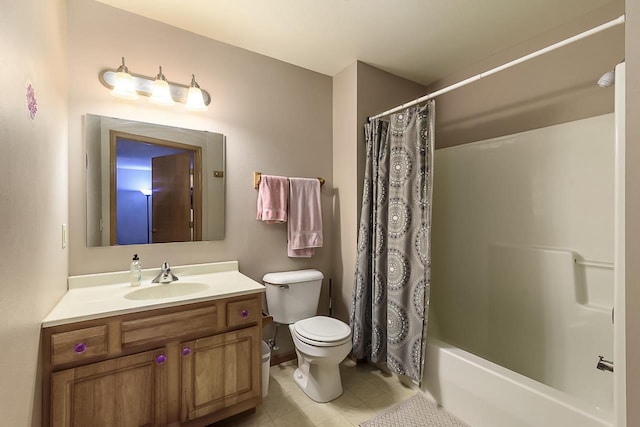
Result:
[322,329]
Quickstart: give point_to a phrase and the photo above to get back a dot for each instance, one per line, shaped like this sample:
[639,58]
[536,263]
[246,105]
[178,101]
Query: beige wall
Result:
[276,118]
[359,91]
[378,91]
[632,215]
[556,87]
[559,88]
[271,112]
[345,131]
[33,194]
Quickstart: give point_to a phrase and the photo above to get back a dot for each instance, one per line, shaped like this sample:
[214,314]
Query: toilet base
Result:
[320,382]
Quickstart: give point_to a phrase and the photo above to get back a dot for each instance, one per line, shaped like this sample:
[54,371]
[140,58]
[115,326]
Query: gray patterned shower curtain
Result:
[391,292]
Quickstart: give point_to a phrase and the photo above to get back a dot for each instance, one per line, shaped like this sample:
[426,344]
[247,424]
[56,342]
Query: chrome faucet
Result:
[604,365]
[165,275]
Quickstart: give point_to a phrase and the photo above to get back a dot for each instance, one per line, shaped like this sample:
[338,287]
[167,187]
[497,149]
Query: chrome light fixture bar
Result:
[143,85]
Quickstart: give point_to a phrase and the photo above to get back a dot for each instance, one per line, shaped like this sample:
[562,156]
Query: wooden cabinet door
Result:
[220,371]
[129,391]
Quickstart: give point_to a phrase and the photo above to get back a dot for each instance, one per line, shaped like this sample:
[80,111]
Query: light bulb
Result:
[608,79]
[161,92]
[195,100]
[124,86]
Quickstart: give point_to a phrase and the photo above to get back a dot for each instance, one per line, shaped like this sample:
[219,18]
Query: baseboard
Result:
[281,358]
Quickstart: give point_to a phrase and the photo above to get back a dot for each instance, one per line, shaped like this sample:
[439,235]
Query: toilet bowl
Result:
[321,342]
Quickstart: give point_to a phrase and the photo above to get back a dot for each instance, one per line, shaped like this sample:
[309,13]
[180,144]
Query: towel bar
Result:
[258,175]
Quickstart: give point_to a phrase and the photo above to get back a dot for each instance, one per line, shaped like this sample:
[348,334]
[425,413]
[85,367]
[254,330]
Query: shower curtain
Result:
[391,292]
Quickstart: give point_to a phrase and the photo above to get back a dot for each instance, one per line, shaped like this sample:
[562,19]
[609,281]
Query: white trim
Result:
[619,343]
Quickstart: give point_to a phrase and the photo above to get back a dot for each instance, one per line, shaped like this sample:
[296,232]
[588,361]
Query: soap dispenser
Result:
[135,271]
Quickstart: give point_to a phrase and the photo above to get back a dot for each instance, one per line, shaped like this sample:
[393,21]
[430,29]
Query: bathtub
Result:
[484,394]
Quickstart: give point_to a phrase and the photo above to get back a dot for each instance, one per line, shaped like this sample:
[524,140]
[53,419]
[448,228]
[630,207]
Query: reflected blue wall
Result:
[131,206]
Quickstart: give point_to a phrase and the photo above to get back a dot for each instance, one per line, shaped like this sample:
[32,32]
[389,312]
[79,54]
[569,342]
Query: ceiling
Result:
[420,40]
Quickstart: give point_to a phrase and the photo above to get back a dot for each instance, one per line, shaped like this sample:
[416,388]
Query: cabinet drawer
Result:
[78,345]
[243,311]
[158,328]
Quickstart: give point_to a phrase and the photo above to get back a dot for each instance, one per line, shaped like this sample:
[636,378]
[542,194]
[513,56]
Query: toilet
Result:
[321,342]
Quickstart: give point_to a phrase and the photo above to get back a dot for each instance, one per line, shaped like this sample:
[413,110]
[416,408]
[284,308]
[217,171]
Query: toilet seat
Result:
[322,331]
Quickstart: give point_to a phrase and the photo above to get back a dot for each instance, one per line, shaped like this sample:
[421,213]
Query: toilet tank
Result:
[293,295]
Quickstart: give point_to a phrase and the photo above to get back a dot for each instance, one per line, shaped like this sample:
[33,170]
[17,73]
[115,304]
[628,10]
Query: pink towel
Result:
[304,229]
[273,194]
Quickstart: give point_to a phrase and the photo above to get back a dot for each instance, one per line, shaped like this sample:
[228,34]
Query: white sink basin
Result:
[169,290]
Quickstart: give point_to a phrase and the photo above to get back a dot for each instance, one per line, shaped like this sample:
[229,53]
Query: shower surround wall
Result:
[511,215]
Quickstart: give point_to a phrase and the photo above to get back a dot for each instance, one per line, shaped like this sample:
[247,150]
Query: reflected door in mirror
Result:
[167,170]
[171,210]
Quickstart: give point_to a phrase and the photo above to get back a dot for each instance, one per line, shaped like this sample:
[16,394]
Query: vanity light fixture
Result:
[126,85]
[161,92]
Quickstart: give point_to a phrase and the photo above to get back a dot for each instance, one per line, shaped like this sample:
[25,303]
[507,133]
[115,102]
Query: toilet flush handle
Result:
[284,287]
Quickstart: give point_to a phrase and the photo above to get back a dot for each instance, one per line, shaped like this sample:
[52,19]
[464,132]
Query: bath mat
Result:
[417,411]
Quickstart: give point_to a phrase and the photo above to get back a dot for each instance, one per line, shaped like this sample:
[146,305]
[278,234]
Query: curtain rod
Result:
[613,23]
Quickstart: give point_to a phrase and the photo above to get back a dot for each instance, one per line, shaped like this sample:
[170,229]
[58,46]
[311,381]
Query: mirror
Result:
[149,183]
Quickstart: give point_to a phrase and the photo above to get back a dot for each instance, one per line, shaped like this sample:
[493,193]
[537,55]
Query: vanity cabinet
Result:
[126,391]
[186,365]
[214,372]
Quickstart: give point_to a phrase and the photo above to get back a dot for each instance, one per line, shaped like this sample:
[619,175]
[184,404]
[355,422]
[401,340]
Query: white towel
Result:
[304,229]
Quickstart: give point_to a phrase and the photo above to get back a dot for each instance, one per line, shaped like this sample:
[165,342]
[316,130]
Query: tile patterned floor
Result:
[367,392]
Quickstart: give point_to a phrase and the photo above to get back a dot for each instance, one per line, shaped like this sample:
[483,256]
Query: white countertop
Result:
[101,295]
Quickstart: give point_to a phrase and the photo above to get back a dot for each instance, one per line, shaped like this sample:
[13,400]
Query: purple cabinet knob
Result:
[80,348]
[186,351]
[160,359]
[244,313]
